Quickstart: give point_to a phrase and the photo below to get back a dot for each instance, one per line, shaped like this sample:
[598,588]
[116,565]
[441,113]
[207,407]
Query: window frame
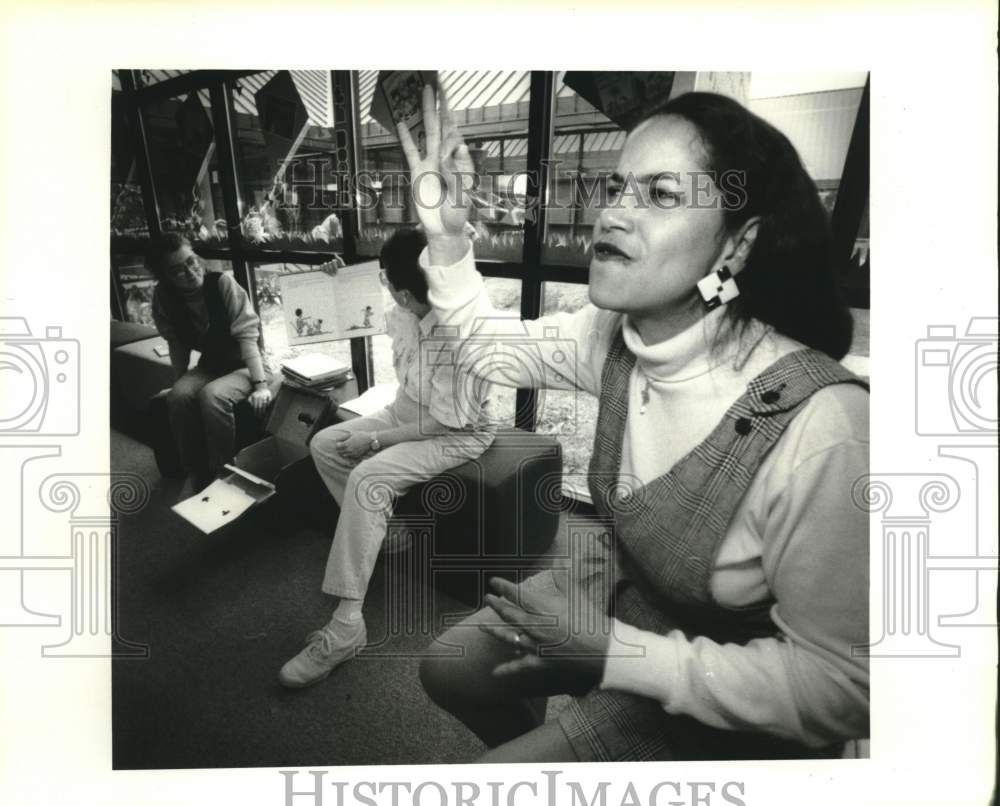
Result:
[532,272]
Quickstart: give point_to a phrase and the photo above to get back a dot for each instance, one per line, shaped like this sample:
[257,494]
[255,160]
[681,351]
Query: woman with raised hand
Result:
[724,613]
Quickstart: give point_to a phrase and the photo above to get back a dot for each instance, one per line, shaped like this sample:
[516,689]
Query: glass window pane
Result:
[286,151]
[857,278]
[491,110]
[272,319]
[585,148]
[128,217]
[184,164]
[568,416]
[380,350]
[506,296]
[137,287]
[861,343]
[147,78]
[137,284]
[816,112]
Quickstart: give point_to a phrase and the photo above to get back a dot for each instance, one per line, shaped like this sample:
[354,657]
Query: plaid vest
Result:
[667,533]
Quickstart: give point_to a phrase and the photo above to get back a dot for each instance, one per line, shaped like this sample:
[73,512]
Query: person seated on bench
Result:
[434,424]
[195,309]
[719,613]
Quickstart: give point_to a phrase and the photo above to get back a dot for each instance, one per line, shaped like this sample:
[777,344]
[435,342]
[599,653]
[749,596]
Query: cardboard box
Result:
[256,473]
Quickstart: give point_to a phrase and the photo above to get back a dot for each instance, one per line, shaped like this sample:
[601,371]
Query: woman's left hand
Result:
[260,399]
[354,446]
[547,631]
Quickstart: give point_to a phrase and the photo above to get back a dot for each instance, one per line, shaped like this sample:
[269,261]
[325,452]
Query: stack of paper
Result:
[314,370]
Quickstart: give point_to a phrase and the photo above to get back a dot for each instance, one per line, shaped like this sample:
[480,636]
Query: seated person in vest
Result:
[195,309]
[719,612]
[436,422]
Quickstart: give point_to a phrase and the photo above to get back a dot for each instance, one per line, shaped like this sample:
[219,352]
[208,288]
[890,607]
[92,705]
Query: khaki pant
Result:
[367,490]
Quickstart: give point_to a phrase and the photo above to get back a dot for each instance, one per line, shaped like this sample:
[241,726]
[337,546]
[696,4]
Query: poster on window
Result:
[400,100]
[623,96]
[325,307]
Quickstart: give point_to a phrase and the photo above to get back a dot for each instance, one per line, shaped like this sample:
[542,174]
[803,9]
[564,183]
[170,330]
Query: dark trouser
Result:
[200,405]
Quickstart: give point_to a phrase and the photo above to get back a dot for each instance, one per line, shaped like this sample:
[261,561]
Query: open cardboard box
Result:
[256,472]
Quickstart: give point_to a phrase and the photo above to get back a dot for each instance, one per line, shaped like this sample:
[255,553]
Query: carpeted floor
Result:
[220,615]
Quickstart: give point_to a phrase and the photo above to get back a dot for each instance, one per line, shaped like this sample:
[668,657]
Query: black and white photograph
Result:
[561,449]
[665,492]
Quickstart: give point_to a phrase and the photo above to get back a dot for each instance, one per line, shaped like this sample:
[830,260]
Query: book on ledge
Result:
[321,389]
[315,369]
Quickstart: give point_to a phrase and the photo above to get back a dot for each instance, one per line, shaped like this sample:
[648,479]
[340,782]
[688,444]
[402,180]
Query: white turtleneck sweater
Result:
[796,536]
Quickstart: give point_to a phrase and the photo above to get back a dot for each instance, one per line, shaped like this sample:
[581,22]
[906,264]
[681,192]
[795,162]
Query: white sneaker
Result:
[323,653]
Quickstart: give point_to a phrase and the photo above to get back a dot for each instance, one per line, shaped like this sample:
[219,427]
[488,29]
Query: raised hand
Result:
[440,179]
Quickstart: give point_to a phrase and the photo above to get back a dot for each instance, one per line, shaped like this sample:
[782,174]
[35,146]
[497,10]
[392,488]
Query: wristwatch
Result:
[376,446]
[261,382]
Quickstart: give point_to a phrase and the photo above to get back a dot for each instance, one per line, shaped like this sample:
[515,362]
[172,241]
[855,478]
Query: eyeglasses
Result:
[193,263]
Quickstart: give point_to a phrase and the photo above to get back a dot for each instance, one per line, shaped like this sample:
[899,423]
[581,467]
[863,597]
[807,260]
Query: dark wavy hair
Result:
[159,248]
[789,279]
[400,259]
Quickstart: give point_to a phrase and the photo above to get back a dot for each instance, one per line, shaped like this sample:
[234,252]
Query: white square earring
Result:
[718,288]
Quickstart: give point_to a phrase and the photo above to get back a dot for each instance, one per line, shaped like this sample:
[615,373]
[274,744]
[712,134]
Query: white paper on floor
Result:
[215,506]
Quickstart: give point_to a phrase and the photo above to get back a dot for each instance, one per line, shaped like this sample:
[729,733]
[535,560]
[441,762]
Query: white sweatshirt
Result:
[797,536]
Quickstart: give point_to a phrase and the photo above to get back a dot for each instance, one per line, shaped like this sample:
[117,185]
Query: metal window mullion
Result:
[540,111]
[189,82]
[137,122]
[852,194]
[256,254]
[221,96]
[362,363]
[346,81]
